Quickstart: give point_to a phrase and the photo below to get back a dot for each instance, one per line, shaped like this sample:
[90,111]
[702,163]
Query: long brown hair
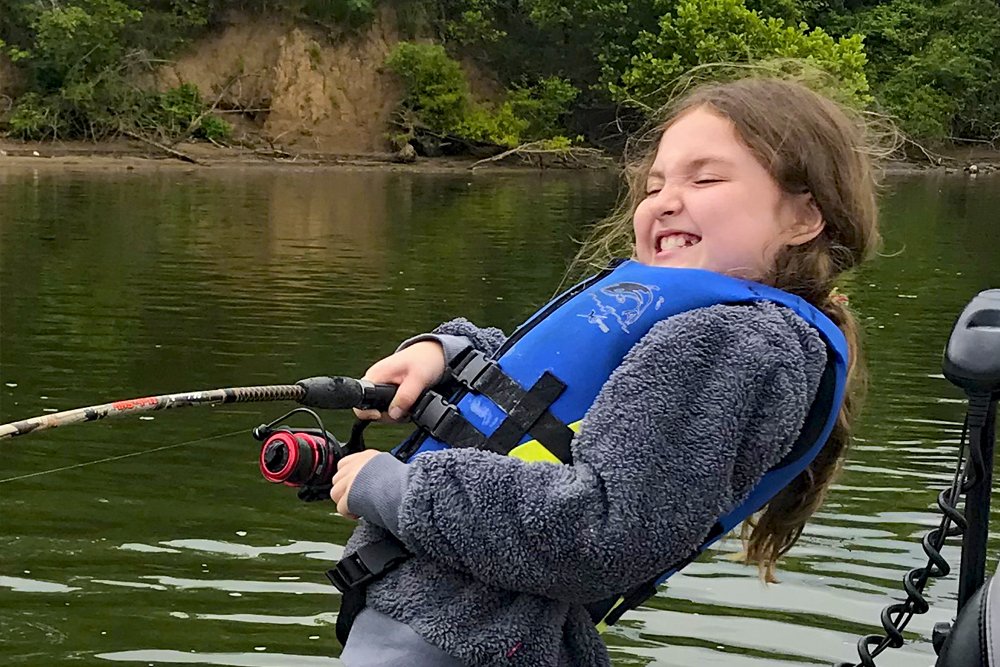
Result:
[808,143]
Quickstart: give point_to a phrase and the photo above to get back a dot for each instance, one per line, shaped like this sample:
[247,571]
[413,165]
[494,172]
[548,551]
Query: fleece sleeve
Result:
[680,433]
[484,339]
[458,335]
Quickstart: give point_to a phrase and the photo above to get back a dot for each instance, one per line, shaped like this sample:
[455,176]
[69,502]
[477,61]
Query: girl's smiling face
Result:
[711,205]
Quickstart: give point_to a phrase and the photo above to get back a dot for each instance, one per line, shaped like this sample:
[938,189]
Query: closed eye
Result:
[707,181]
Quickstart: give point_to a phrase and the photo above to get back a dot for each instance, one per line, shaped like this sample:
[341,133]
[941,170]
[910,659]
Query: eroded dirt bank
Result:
[297,96]
[296,88]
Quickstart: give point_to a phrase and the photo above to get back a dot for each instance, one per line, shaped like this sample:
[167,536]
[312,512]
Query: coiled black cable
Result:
[897,616]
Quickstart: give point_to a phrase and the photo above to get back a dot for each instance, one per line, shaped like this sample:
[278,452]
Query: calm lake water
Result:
[156,542]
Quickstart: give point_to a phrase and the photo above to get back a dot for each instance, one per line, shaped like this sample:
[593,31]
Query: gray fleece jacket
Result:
[507,553]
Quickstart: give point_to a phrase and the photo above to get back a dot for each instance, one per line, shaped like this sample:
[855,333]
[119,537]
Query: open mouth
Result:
[673,240]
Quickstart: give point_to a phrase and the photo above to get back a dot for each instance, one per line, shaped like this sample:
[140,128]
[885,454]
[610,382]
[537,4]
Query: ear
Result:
[808,223]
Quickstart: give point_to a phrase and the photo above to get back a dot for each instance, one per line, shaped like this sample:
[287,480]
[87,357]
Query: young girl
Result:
[757,179]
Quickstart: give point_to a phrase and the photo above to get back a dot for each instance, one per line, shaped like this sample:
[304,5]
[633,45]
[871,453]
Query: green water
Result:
[118,285]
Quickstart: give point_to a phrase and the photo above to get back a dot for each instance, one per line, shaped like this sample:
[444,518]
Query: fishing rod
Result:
[305,458]
[327,393]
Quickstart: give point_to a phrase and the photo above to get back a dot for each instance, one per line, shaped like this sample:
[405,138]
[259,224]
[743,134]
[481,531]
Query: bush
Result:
[934,65]
[701,32]
[543,106]
[438,102]
[79,42]
[436,89]
[32,118]
[181,110]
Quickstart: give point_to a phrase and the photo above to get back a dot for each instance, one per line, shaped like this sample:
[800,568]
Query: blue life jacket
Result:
[529,398]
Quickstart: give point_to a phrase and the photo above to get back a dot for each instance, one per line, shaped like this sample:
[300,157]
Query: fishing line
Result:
[121,456]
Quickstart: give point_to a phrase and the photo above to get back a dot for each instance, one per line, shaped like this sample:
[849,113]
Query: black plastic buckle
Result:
[471,367]
[366,564]
[431,411]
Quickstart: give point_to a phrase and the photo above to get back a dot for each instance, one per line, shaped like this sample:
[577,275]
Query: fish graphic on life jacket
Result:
[635,297]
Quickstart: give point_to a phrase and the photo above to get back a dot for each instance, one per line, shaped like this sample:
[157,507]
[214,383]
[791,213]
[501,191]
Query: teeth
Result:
[679,240]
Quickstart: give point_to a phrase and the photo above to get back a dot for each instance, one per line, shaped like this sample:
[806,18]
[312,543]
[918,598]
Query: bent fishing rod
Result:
[301,457]
[328,393]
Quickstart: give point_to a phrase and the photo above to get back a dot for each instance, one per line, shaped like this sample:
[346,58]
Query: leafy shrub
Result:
[214,128]
[32,118]
[436,89]
[701,32]
[75,42]
[543,106]
[438,101]
[181,110]
[934,65]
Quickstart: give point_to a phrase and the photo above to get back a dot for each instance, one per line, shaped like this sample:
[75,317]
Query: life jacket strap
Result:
[367,564]
[608,612]
[443,421]
[527,410]
[353,573]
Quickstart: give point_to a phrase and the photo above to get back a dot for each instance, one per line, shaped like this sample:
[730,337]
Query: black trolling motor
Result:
[972,362]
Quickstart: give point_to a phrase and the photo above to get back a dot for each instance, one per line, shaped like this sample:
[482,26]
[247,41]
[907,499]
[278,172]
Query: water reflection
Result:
[159,657]
[173,550]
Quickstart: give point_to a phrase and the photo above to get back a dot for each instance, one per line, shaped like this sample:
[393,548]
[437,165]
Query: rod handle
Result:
[338,393]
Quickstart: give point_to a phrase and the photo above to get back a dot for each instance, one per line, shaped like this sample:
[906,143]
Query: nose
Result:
[668,201]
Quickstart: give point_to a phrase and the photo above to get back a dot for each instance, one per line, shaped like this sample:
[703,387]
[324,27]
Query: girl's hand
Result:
[414,369]
[347,469]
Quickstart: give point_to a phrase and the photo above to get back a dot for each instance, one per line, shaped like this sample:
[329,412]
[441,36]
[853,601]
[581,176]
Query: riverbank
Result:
[126,155]
[133,154]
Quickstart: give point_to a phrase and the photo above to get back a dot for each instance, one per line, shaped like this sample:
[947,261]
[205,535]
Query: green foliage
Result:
[934,65]
[701,32]
[76,42]
[436,89]
[32,118]
[485,126]
[567,64]
[790,11]
[181,111]
[83,57]
[542,106]
[346,13]
[438,101]
[472,22]
[91,111]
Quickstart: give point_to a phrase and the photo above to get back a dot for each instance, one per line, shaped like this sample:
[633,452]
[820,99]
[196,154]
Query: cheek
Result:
[641,218]
[735,206]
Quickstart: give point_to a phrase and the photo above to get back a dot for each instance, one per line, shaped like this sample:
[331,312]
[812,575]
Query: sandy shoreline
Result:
[126,155]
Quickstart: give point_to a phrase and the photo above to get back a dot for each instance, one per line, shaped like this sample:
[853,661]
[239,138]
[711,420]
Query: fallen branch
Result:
[933,158]
[196,123]
[963,140]
[275,153]
[534,153]
[166,149]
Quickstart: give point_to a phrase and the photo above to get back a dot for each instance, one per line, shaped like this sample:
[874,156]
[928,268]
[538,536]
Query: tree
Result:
[700,32]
